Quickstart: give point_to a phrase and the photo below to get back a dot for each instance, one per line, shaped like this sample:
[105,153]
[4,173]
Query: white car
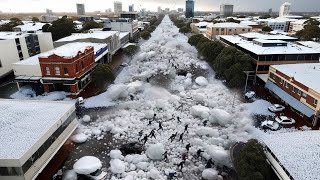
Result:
[273,125]
[98,175]
[276,108]
[284,120]
[250,94]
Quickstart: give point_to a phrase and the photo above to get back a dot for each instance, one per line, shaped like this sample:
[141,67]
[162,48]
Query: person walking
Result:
[199,152]
[181,165]
[173,136]
[152,133]
[165,156]
[184,156]
[209,163]
[181,137]
[140,134]
[178,118]
[186,128]
[145,138]
[160,126]
[188,147]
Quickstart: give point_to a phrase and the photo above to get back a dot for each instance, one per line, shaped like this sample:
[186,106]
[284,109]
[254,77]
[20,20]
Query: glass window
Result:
[65,70]
[293,89]
[57,70]
[304,95]
[281,82]
[299,92]
[315,101]
[47,71]
[287,84]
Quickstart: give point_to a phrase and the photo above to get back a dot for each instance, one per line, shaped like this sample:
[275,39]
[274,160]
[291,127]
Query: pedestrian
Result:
[165,156]
[188,147]
[147,80]
[171,175]
[152,133]
[173,136]
[181,137]
[181,165]
[209,163]
[186,128]
[131,97]
[178,118]
[160,126]
[145,138]
[184,156]
[154,116]
[150,121]
[140,134]
[199,152]
[205,123]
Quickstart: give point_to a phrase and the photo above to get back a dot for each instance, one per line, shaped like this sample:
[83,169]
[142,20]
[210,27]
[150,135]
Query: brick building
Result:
[297,85]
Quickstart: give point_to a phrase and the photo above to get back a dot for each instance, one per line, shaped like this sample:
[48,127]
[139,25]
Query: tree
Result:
[201,42]
[45,28]
[10,25]
[35,19]
[267,29]
[102,74]
[193,40]
[131,50]
[210,50]
[310,32]
[184,30]
[61,28]
[145,35]
[91,25]
[251,163]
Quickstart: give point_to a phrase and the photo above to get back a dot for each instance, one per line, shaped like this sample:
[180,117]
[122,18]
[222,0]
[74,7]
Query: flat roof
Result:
[68,51]
[311,44]
[307,74]
[94,35]
[234,39]
[297,151]
[289,49]
[14,35]
[256,35]
[269,41]
[228,25]
[31,26]
[24,122]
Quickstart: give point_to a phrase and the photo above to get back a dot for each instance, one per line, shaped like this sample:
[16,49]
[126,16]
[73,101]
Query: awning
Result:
[263,77]
[128,44]
[299,106]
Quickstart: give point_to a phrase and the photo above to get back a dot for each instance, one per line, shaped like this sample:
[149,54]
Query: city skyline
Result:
[15,6]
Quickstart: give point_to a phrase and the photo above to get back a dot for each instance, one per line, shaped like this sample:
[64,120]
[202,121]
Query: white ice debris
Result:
[200,111]
[201,81]
[87,165]
[154,174]
[220,116]
[155,151]
[210,174]
[259,107]
[69,175]
[116,154]
[86,118]
[79,138]
[117,166]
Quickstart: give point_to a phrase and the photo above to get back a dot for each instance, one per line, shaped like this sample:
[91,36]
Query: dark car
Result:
[132,148]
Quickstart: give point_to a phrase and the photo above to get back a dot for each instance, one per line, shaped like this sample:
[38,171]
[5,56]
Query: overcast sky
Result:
[200,5]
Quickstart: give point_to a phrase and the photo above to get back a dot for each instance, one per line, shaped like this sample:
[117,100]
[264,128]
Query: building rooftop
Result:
[269,41]
[228,25]
[203,23]
[255,35]
[14,35]
[234,39]
[68,50]
[31,26]
[298,152]
[311,44]
[94,35]
[23,123]
[249,23]
[307,74]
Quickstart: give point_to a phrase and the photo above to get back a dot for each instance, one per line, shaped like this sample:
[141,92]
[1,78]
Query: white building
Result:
[31,134]
[285,9]
[117,7]
[159,10]
[80,9]
[17,46]
[296,26]
[226,10]
[126,25]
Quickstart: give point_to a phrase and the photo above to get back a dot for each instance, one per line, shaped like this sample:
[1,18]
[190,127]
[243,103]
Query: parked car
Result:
[80,100]
[249,94]
[272,125]
[284,120]
[276,108]
[98,175]
[132,148]
[124,64]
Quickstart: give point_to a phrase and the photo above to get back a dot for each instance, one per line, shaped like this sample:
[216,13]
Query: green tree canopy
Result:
[267,29]
[35,19]
[102,74]
[45,28]
[251,163]
[91,25]
[193,40]
[184,30]
[145,35]
[311,31]
[131,50]
[10,25]
[61,28]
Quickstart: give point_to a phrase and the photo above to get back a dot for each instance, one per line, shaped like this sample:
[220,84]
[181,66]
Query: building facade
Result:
[180,10]
[284,9]
[159,10]
[131,8]
[296,26]
[17,46]
[189,9]
[127,25]
[117,7]
[214,30]
[80,10]
[297,85]
[226,10]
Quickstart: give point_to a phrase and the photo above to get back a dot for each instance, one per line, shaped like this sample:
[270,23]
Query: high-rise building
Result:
[270,11]
[48,11]
[167,10]
[131,8]
[284,9]
[117,7]
[180,10]
[159,10]
[80,9]
[189,8]
[143,12]
[226,10]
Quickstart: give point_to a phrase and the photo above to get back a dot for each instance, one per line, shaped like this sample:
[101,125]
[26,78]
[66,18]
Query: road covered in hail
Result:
[169,100]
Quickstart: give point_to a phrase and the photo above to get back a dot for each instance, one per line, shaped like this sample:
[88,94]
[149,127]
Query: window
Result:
[230,30]
[243,29]
[82,66]
[57,70]
[299,92]
[281,82]
[294,90]
[287,84]
[315,101]
[47,71]
[222,29]
[304,95]
[65,70]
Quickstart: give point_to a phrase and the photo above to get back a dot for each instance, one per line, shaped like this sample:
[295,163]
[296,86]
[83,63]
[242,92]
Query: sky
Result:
[200,5]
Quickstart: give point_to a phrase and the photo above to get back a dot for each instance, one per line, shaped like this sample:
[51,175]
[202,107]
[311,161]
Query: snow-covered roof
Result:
[298,152]
[68,51]
[11,35]
[311,44]
[228,25]
[266,36]
[31,26]
[269,41]
[123,34]
[300,21]
[23,123]
[249,23]
[94,35]
[289,49]
[203,23]
[234,39]
[307,74]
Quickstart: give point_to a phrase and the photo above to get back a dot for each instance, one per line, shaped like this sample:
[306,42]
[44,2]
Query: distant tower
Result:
[226,10]
[117,7]
[131,8]
[270,11]
[159,10]
[285,9]
[48,11]
[189,8]
[80,9]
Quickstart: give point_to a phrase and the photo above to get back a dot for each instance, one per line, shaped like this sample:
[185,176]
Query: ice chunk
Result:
[143,166]
[154,174]
[86,118]
[116,154]
[155,151]
[220,116]
[79,138]
[210,174]
[69,175]
[117,166]
[200,111]
[87,165]
[201,81]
